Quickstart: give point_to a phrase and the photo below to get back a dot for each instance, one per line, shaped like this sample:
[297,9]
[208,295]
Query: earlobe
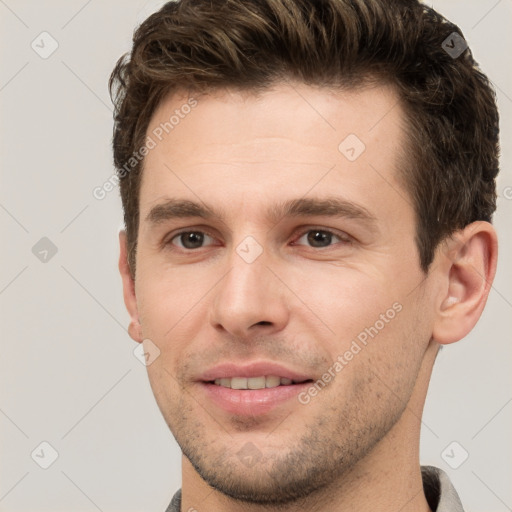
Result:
[468,265]
[130,300]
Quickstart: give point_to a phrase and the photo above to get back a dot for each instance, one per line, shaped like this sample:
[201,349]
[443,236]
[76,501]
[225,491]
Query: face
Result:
[273,246]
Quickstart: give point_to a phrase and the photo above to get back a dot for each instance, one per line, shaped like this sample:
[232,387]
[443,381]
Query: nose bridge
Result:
[249,293]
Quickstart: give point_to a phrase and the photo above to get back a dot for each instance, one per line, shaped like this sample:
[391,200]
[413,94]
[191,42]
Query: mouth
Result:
[254,389]
[261,382]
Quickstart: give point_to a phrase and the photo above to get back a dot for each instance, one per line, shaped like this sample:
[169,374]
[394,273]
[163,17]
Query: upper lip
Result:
[255,369]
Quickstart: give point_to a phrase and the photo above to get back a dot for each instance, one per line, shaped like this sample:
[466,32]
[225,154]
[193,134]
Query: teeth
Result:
[239,383]
[268,381]
[272,381]
[254,383]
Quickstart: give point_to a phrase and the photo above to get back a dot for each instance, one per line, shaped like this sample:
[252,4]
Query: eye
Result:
[189,239]
[315,237]
[319,238]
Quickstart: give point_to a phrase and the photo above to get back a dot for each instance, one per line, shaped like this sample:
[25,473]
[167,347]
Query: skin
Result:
[355,445]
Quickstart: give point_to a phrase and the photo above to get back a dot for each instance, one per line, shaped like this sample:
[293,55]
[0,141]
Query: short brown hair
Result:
[205,45]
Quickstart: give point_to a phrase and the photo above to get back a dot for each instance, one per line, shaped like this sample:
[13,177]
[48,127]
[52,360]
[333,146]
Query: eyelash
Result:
[344,238]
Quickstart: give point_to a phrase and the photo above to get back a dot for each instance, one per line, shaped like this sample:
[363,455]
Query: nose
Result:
[250,299]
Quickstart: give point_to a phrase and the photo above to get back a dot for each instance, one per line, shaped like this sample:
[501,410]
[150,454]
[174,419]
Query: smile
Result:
[269,381]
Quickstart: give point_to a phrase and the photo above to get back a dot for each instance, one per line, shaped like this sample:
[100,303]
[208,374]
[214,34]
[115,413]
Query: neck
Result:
[387,479]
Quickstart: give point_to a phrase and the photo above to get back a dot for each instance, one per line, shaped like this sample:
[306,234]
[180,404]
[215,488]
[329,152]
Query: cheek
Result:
[378,330]
[380,371]
[172,314]
[349,302]
[166,297]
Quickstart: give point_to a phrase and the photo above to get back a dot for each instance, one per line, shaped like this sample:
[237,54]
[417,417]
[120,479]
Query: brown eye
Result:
[319,238]
[189,239]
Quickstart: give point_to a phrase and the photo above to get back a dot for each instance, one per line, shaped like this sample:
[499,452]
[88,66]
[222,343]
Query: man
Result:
[307,188]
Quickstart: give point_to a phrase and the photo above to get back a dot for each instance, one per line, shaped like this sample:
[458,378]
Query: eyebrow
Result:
[335,207]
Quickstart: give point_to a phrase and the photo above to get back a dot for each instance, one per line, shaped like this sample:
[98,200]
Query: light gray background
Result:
[68,373]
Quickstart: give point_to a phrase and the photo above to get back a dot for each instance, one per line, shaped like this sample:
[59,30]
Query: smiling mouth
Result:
[262,382]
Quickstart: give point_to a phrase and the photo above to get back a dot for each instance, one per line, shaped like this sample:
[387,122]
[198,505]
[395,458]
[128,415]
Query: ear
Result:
[467,266]
[134,329]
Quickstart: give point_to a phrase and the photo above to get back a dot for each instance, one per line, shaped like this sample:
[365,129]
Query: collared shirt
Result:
[439,492]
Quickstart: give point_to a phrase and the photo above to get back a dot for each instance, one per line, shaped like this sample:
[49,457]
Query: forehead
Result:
[323,112]
[285,139]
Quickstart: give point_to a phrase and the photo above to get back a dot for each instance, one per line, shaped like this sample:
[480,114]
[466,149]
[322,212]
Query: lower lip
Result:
[251,402]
